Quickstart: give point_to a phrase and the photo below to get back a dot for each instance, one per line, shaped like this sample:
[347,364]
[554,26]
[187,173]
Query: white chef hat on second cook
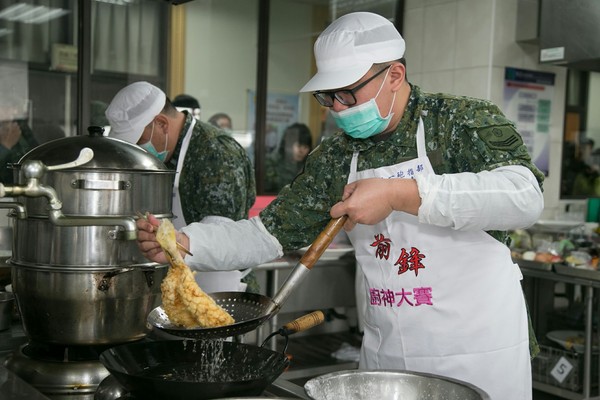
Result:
[132,108]
[348,47]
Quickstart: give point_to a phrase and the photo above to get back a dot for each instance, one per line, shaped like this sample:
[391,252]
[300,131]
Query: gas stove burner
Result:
[57,371]
[62,353]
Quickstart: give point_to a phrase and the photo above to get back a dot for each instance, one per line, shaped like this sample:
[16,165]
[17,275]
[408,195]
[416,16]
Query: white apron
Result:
[441,301]
[214,281]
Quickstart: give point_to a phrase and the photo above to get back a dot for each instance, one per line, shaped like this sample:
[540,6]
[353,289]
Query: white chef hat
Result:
[348,47]
[132,108]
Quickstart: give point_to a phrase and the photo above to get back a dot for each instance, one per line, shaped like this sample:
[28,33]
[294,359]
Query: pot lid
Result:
[109,153]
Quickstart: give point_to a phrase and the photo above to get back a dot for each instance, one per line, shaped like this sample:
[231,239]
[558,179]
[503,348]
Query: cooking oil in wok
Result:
[210,361]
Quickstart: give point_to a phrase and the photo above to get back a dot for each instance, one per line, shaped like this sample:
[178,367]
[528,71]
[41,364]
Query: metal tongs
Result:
[179,246]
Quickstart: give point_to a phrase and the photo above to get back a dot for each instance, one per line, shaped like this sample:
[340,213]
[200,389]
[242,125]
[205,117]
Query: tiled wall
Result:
[463,46]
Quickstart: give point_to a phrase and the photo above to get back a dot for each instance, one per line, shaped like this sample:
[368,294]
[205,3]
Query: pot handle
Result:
[85,155]
[300,324]
[303,323]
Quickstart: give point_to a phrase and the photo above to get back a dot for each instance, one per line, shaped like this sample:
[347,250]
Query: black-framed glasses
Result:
[344,96]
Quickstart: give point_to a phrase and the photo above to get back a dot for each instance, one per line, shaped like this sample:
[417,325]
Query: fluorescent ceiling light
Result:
[118,2]
[29,14]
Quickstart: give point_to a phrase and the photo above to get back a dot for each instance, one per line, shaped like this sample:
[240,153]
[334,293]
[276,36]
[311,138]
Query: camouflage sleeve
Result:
[489,140]
[301,210]
[217,179]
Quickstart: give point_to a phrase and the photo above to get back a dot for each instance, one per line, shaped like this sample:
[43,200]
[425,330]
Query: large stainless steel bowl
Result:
[390,385]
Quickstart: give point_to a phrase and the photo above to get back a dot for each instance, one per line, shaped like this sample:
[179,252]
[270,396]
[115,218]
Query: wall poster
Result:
[528,103]
[282,111]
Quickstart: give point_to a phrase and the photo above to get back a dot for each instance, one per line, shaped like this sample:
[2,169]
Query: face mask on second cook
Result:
[149,147]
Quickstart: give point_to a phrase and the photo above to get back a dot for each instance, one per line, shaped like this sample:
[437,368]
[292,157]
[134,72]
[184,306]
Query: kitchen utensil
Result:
[198,369]
[248,309]
[390,384]
[87,307]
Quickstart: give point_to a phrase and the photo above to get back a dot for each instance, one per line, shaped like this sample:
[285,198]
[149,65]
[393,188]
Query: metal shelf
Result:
[589,286]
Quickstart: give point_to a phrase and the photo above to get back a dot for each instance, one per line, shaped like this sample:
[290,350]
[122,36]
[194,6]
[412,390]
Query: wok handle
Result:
[318,247]
[304,322]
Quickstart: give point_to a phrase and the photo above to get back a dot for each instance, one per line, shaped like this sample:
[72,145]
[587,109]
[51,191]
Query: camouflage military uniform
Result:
[217,177]
[461,134]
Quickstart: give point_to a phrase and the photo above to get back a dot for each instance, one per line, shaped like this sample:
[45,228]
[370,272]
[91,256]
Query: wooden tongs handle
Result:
[318,247]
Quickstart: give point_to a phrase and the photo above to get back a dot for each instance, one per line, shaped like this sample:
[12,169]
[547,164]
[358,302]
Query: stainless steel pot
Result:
[86,308]
[390,384]
[92,203]
[77,273]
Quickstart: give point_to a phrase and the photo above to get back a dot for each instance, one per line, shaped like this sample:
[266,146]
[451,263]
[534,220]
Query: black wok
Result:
[199,369]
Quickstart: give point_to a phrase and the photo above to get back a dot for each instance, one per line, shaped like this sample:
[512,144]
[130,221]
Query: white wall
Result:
[221,53]
[463,46]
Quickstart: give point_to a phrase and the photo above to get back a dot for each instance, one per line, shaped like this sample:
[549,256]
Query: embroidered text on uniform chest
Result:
[408,260]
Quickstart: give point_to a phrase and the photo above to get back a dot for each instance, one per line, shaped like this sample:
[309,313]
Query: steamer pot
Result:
[77,273]
[97,200]
[69,307]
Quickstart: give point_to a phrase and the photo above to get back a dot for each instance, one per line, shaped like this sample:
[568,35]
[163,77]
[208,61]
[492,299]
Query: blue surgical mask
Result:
[364,120]
[149,147]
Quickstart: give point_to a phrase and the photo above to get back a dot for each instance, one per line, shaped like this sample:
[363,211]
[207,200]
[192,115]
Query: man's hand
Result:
[147,239]
[369,201]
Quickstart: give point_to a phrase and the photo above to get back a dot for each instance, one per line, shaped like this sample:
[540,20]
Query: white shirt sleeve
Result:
[502,199]
[227,245]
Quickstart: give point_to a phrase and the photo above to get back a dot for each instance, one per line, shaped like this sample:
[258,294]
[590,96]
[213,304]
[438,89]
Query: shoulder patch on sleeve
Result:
[500,137]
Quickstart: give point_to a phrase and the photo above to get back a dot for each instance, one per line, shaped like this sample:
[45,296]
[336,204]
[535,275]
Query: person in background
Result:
[288,160]
[221,120]
[584,173]
[185,102]
[16,137]
[215,179]
[430,184]
[98,116]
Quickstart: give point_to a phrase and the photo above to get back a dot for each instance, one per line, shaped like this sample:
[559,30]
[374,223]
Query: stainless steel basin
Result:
[390,385]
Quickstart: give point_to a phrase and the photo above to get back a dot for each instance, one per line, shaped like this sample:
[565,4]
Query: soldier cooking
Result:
[430,183]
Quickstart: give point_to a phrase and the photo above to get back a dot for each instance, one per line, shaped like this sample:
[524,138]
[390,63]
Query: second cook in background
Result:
[430,184]
[215,179]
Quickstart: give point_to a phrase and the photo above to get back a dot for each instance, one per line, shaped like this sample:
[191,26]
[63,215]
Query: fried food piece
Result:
[182,299]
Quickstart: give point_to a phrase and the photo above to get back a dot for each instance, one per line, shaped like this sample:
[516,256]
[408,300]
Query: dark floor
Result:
[538,395]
